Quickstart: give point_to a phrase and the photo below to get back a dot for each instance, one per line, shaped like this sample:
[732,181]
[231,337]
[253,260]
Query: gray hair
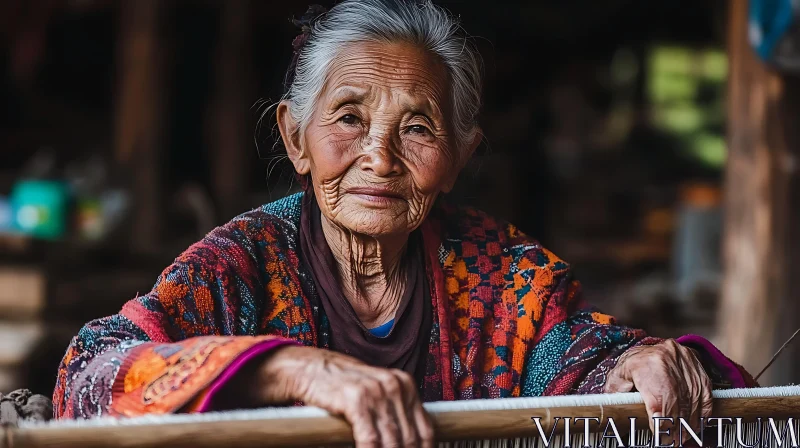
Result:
[418,22]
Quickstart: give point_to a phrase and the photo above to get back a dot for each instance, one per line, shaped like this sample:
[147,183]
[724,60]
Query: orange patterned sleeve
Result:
[173,348]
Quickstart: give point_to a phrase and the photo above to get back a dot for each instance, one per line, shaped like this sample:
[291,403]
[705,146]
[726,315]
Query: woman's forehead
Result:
[365,69]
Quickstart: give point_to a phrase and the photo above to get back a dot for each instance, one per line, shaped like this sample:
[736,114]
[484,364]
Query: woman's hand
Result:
[670,378]
[382,405]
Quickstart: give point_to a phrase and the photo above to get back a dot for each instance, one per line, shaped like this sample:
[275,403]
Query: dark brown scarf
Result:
[406,345]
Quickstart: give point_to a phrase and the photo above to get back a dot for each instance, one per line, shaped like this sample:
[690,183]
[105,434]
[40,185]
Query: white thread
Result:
[433,408]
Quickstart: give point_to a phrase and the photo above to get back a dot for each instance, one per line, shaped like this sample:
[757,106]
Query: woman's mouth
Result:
[376,195]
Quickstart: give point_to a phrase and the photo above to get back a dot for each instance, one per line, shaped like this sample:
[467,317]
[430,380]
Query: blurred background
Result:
[643,142]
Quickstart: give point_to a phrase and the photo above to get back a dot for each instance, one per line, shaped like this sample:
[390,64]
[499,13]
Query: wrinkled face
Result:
[379,147]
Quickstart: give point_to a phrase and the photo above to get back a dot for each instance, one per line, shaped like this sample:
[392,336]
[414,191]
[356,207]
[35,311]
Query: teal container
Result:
[39,208]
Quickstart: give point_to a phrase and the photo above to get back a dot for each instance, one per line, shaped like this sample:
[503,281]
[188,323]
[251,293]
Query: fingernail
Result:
[657,415]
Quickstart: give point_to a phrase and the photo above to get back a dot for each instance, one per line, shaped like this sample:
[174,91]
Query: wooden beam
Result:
[232,144]
[139,129]
[759,303]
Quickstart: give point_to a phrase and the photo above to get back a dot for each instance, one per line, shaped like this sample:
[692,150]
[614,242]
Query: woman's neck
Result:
[372,272]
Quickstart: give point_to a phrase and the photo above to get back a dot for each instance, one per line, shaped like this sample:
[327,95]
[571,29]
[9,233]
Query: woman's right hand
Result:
[381,405]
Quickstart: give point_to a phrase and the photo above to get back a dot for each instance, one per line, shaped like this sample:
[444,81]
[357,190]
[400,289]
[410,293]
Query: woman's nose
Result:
[382,161]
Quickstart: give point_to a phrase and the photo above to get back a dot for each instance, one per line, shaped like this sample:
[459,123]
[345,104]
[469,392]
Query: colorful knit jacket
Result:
[508,320]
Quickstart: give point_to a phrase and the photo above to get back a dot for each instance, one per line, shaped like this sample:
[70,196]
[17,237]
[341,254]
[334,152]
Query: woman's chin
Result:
[378,225]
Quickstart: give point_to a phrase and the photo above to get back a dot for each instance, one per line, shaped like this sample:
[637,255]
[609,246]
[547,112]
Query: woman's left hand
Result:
[670,378]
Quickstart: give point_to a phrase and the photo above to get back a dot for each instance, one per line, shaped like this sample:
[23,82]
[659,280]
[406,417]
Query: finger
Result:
[365,430]
[411,406]
[385,419]
[706,397]
[399,400]
[673,401]
[664,382]
[689,414]
[661,402]
[652,404]
[422,423]
[703,384]
[425,429]
[700,388]
[696,394]
[693,400]
[656,389]
[677,405]
[679,367]
[671,405]
[357,408]
[618,381]
[690,397]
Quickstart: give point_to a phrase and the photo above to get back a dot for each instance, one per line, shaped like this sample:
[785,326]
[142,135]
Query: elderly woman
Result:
[368,293]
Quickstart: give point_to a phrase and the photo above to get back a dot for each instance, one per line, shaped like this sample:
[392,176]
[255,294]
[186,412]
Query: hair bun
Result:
[305,23]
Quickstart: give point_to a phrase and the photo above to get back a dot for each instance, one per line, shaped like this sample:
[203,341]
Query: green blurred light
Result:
[708,149]
[665,88]
[680,119]
[673,60]
[715,65]
[675,77]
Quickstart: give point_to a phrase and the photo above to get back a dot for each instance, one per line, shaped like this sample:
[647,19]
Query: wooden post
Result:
[139,130]
[232,144]
[759,304]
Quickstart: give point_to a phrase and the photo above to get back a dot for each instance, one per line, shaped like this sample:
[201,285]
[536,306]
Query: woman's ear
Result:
[462,162]
[290,133]
[474,145]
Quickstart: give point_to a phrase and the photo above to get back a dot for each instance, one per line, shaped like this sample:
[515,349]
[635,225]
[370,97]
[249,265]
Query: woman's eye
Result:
[418,129]
[349,119]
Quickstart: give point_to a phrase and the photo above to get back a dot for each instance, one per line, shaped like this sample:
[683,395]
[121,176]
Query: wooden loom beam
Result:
[761,245]
[296,432]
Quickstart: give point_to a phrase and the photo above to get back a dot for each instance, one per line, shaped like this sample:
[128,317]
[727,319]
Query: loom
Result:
[472,423]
